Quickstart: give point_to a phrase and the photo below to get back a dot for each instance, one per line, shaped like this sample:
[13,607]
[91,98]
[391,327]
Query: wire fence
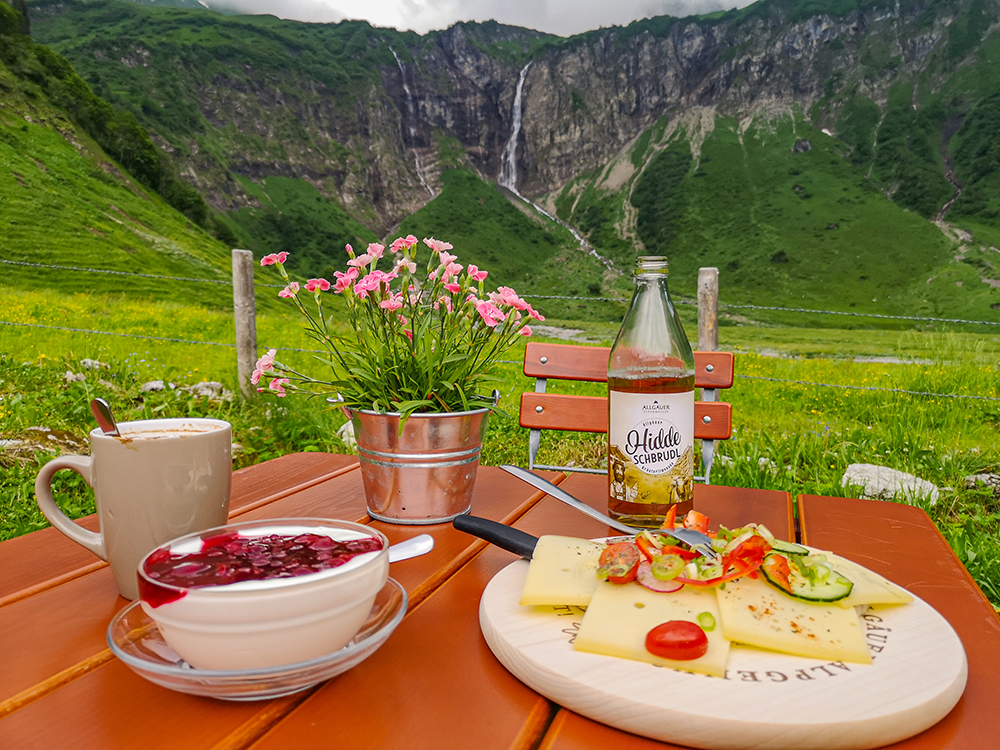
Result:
[228,281]
[722,305]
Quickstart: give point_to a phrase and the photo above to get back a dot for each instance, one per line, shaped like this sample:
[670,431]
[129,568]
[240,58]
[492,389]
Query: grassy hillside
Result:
[67,203]
[517,246]
[786,227]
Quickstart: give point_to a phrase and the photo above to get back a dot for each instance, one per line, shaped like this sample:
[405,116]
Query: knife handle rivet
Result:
[706,419]
[544,360]
[538,410]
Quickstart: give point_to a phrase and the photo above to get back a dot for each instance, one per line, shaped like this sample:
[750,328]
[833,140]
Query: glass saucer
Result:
[134,638]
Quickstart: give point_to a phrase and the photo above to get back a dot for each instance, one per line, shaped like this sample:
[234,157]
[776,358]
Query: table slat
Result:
[93,600]
[902,543]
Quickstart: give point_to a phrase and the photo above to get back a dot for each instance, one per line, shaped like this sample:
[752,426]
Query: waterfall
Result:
[508,162]
[411,128]
[508,168]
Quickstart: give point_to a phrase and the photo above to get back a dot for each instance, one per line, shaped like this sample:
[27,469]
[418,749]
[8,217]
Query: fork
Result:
[695,539]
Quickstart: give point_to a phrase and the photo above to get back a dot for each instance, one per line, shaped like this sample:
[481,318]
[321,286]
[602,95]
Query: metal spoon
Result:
[418,545]
[102,413]
[697,540]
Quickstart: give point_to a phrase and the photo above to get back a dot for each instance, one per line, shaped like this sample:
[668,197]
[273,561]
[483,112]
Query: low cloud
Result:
[562,17]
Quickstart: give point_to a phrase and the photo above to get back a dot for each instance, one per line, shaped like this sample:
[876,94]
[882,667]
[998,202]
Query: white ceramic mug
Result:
[161,479]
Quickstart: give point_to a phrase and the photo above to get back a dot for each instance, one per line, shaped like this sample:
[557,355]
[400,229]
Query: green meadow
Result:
[804,409]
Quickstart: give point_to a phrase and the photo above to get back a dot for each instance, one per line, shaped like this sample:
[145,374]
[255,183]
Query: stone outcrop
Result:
[882,483]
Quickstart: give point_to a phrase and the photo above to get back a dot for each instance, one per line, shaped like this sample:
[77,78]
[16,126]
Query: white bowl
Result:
[221,621]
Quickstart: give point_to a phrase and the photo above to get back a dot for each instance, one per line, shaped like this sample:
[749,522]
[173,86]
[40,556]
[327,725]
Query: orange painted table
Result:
[434,683]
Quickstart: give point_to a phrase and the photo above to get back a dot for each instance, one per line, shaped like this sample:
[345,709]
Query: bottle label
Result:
[651,446]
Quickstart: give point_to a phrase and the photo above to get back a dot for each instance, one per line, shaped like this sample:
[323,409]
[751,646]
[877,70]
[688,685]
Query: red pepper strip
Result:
[778,571]
[646,547]
[687,554]
[697,521]
[671,518]
[740,569]
[750,550]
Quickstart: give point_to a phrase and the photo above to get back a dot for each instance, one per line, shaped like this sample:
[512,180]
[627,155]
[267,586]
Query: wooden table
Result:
[435,683]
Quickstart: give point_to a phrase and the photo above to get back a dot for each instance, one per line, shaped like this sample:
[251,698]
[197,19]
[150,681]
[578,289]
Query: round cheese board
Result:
[767,700]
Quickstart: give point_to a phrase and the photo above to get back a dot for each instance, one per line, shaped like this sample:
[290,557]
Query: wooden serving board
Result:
[767,700]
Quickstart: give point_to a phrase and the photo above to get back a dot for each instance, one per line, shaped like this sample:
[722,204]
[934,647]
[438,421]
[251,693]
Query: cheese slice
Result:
[757,614]
[563,570]
[869,587]
[620,615]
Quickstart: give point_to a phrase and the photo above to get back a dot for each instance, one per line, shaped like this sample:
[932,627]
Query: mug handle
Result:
[82,465]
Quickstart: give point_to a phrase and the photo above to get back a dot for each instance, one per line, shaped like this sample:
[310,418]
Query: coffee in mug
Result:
[160,479]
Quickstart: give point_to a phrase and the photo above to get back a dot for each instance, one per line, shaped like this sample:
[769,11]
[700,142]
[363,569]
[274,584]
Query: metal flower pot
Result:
[424,475]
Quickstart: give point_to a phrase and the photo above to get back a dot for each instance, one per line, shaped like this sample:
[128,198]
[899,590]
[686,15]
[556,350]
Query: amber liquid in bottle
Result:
[651,514]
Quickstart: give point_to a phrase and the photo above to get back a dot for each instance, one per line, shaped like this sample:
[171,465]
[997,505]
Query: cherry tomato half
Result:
[678,640]
[619,562]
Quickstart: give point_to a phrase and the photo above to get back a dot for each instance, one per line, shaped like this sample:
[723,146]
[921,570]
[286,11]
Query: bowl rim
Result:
[267,583]
[190,672]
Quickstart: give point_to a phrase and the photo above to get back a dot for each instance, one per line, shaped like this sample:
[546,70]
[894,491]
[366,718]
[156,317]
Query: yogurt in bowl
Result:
[263,593]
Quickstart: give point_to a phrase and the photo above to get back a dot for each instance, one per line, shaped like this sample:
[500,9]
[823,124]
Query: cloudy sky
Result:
[562,17]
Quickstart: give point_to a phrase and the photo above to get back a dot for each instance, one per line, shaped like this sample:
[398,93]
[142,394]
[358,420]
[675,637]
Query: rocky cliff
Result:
[369,117]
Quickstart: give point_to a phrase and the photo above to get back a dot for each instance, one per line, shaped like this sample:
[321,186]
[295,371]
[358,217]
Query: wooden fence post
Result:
[245,313]
[708,309]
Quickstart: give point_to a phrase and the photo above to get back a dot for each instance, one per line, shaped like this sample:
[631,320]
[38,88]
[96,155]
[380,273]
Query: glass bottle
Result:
[650,406]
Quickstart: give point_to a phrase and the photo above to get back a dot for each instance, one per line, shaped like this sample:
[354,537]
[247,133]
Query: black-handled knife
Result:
[503,536]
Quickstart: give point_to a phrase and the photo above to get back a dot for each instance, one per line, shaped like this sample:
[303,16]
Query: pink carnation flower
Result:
[490,313]
[375,250]
[264,364]
[399,243]
[317,284]
[437,245]
[453,287]
[361,261]
[525,330]
[476,274]
[533,313]
[368,284]
[278,386]
[507,296]
[273,258]
[344,280]
[409,265]
[451,269]
[394,302]
[289,291]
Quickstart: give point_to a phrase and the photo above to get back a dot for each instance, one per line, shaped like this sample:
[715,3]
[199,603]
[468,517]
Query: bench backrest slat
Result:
[551,411]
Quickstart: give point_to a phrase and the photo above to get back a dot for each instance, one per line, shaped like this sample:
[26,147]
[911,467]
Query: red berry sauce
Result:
[231,558]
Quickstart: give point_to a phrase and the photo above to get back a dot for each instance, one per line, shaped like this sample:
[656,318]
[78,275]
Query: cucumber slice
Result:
[789,548]
[812,580]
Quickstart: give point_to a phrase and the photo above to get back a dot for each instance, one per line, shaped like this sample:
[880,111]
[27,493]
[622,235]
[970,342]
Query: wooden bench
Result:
[552,411]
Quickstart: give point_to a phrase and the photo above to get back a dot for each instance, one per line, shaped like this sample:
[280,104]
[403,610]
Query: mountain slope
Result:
[370,119]
[67,203]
